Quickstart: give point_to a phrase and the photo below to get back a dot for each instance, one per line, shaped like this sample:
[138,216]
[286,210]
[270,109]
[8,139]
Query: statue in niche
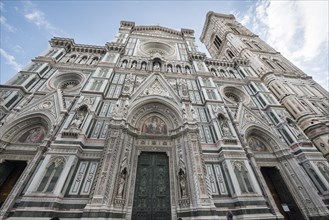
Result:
[169,69]
[71,59]
[122,182]
[32,136]
[83,60]
[143,66]
[256,145]
[77,121]
[188,70]
[194,117]
[182,182]
[224,126]
[179,69]
[124,64]
[133,65]
[94,61]
[156,66]
[117,106]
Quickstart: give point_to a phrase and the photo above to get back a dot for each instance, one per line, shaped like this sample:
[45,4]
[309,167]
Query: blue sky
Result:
[297,29]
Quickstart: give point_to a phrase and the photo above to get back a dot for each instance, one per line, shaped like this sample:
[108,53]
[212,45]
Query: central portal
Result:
[152,192]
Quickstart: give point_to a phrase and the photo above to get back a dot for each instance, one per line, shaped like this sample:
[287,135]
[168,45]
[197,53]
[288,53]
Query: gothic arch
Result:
[145,107]
[20,128]
[264,137]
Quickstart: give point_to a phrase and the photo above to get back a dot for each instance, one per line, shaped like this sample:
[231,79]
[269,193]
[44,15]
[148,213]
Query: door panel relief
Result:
[152,192]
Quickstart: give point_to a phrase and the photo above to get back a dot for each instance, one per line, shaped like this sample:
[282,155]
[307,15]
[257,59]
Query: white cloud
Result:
[9,27]
[37,17]
[10,60]
[297,29]
[18,49]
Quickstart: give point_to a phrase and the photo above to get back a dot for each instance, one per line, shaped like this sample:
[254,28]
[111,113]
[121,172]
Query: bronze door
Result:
[152,193]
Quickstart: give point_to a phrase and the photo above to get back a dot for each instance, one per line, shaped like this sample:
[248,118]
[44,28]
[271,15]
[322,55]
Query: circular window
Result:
[157,48]
[233,97]
[66,81]
[233,94]
[69,84]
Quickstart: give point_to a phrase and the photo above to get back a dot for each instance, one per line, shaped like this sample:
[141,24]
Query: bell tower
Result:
[227,39]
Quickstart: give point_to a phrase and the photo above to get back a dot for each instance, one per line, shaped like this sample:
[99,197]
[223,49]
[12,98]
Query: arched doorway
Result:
[154,155]
[152,189]
[26,135]
[263,146]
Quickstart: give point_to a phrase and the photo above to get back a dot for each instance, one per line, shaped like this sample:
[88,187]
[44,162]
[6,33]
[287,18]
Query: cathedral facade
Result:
[147,127]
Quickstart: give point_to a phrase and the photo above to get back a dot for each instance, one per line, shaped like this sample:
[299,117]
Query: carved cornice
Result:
[157,28]
[69,45]
[115,47]
[127,24]
[240,61]
[221,63]
[197,56]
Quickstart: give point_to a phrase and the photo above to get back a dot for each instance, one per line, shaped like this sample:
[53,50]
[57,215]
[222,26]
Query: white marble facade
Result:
[244,131]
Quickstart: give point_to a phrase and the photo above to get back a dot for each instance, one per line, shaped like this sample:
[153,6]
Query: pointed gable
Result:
[247,117]
[52,104]
[155,85]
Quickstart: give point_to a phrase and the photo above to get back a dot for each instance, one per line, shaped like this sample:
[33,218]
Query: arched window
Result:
[83,60]
[222,72]
[51,175]
[94,60]
[178,69]
[232,74]
[188,69]
[71,59]
[217,42]
[213,71]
